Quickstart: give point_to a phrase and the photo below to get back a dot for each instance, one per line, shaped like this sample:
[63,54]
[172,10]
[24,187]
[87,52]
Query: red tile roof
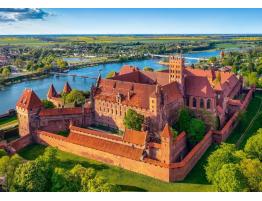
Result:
[51,92]
[67,89]
[106,146]
[127,69]
[199,87]
[135,137]
[171,92]
[29,100]
[61,111]
[98,133]
[167,132]
[139,93]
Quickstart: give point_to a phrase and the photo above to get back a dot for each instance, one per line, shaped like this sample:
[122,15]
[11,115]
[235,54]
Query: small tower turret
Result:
[167,145]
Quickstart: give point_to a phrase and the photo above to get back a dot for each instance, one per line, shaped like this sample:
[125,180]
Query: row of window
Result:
[201,104]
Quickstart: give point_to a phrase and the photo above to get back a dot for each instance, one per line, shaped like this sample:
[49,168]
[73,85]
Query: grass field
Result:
[129,181]
[249,124]
[8,122]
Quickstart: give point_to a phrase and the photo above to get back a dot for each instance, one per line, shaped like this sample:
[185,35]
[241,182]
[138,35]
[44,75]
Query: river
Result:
[10,94]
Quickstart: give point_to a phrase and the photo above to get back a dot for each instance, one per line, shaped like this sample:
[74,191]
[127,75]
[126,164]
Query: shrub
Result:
[133,120]
[196,131]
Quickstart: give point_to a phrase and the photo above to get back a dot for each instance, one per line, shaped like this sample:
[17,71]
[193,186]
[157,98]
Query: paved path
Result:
[242,137]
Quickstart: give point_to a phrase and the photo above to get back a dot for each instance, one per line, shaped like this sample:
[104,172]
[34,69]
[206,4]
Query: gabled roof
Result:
[51,92]
[135,137]
[29,100]
[127,69]
[171,92]
[199,87]
[132,94]
[166,133]
[67,89]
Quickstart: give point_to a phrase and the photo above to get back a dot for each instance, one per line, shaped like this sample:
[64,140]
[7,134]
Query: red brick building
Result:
[156,95]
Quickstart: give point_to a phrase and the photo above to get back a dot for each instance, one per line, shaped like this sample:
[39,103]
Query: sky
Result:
[17,21]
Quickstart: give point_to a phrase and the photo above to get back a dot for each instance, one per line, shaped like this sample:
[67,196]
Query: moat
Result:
[10,94]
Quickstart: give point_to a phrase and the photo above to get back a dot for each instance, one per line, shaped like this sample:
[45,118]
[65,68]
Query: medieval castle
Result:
[157,96]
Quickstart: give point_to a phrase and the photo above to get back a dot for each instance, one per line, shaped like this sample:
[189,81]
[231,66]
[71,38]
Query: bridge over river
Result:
[186,57]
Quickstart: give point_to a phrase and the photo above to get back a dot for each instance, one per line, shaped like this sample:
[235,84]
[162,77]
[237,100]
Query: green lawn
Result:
[129,181]
[249,124]
[8,122]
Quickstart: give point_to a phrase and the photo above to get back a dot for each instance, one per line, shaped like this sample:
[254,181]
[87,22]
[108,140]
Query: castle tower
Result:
[154,100]
[51,92]
[67,89]
[176,70]
[167,145]
[27,108]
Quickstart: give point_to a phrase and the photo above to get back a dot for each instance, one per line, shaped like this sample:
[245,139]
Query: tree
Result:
[61,63]
[133,120]
[75,96]
[251,79]
[230,179]
[196,131]
[6,72]
[30,177]
[223,155]
[48,104]
[110,74]
[8,166]
[252,170]
[99,184]
[148,69]
[184,120]
[64,181]
[253,146]
[2,153]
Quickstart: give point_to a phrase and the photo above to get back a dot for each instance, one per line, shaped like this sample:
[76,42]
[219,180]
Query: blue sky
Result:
[130,21]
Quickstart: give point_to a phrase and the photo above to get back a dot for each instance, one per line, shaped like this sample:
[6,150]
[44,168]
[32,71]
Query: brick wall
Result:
[180,170]
[21,142]
[155,171]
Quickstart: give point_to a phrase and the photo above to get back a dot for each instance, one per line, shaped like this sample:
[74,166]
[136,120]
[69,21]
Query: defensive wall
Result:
[167,172]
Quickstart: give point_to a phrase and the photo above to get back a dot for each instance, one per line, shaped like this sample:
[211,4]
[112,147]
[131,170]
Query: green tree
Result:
[48,104]
[30,177]
[6,72]
[110,74]
[2,153]
[61,63]
[196,131]
[184,120]
[75,96]
[133,120]
[223,155]
[99,184]
[8,166]
[148,69]
[253,146]
[230,179]
[64,181]
[252,170]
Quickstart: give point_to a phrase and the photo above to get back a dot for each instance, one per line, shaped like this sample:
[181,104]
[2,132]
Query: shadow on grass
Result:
[197,175]
[132,188]
[68,164]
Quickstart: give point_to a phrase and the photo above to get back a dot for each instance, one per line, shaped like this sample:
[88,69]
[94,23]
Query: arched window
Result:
[194,102]
[201,103]
[208,103]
